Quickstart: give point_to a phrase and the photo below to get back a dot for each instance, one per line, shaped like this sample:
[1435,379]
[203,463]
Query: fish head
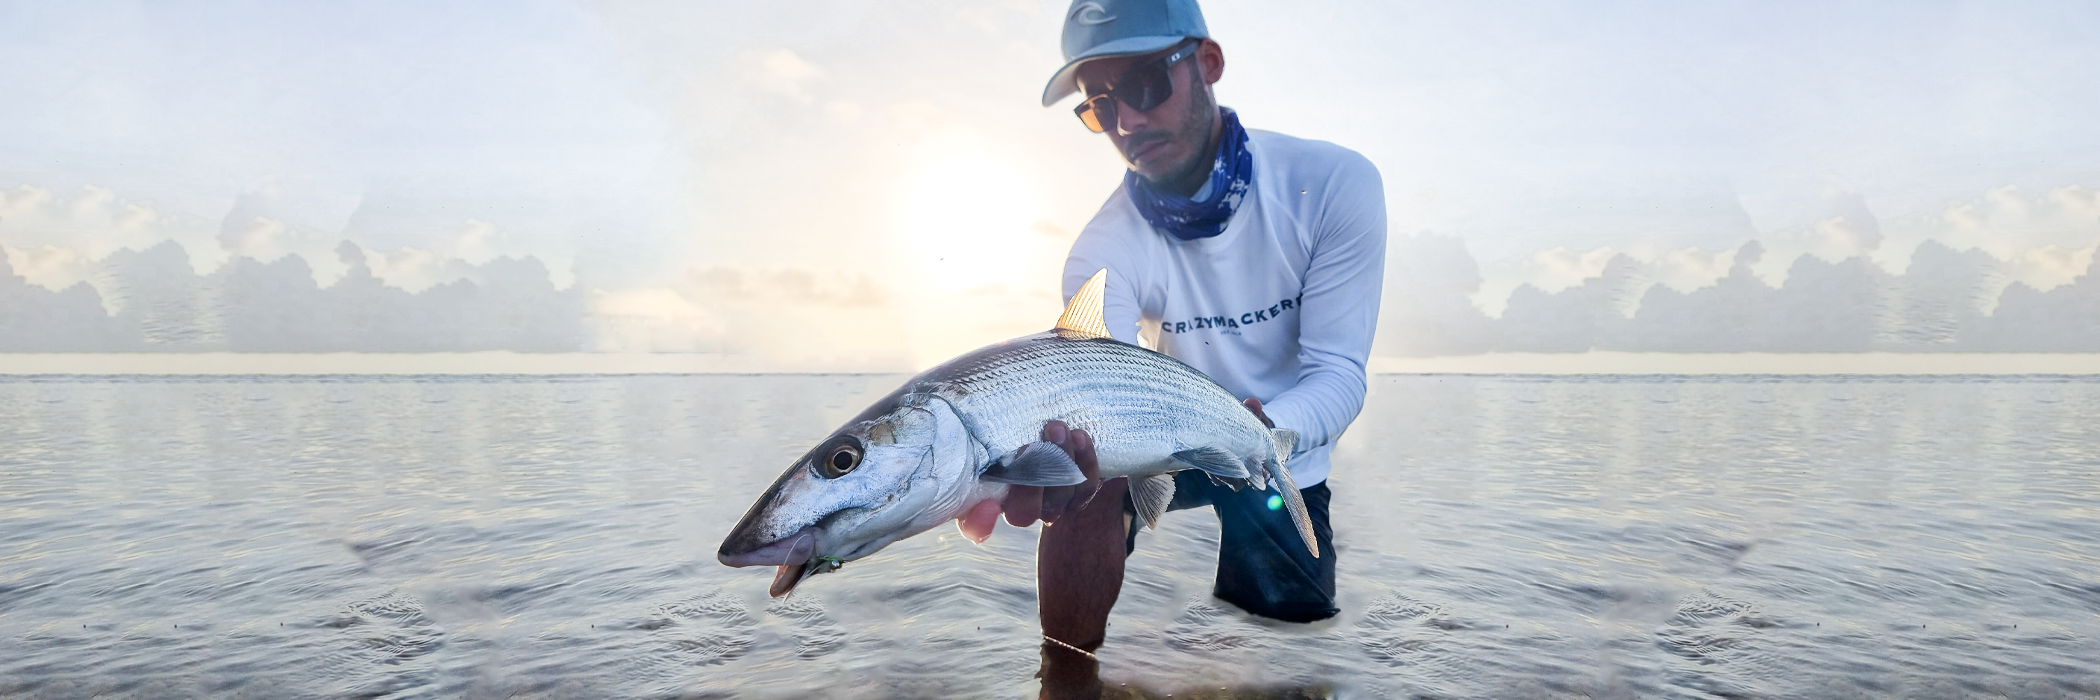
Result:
[885,476]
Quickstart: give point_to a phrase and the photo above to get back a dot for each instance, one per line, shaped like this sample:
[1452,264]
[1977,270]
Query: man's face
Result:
[1171,142]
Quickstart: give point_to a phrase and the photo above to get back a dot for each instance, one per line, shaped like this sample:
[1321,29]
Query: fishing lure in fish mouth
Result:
[957,436]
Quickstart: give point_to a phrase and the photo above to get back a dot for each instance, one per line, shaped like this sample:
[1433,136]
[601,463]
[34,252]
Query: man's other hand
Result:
[1254,404]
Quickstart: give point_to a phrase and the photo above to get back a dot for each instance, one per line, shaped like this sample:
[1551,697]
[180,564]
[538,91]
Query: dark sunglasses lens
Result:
[1148,86]
[1097,113]
[1143,87]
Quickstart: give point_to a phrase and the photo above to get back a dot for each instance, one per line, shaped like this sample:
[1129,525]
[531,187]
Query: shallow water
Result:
[1499,537]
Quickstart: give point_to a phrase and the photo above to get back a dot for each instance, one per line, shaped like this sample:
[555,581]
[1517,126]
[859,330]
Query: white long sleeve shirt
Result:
[1280,306]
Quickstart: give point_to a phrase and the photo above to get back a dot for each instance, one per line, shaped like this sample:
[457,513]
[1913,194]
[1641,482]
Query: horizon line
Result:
[504,362]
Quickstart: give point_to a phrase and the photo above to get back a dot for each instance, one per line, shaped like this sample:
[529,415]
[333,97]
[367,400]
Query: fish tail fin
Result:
[1294,502]
[1279,475]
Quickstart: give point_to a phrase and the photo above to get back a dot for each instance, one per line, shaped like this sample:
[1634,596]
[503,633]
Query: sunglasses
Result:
[1143,87]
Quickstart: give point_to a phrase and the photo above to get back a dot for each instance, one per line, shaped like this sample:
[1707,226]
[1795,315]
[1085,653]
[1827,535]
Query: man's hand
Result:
[1024,505]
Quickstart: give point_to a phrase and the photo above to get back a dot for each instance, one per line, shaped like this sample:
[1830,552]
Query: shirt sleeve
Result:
[1339,309]
[1120,308]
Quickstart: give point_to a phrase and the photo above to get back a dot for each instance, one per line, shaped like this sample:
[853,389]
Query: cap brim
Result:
[1066,80]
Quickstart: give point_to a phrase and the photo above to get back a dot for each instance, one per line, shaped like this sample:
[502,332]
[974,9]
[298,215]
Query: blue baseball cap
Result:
[1107,28]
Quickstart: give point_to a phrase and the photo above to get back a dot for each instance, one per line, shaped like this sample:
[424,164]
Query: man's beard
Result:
[1195,130]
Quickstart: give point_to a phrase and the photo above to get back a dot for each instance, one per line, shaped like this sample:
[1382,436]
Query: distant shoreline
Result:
[513,363]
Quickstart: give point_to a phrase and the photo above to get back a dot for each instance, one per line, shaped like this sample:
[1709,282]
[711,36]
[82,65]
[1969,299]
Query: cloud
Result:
[137,218]
[1576,318]
[1944,299]
[50,266]
[276,306]
[845,112]
[1560,268]
[414,269]
[1827,306]
[1428,308]
[2006,201]
[654,320]
[778,71]
[787,318]
[2050,266]
[92,202]
[1687,269]
[789,286]
[162,305]
[473,243]
[1555,270]
[92,221]
[2008,269]
[2006,222]
[35,319]
[451,257]
[1844,238]
[22,200]
[1733,314]
[260,237]
[2079,201]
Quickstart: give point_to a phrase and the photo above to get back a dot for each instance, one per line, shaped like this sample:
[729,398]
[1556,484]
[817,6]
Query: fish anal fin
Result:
[1083,315]
[1257,473]
[1035,464]
[1213,460]
[1149,496]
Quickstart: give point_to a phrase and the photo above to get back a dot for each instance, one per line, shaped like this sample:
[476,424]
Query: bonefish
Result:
[959,434]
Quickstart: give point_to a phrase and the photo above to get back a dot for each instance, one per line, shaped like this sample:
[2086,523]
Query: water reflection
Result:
[1499,537]
[1069,675]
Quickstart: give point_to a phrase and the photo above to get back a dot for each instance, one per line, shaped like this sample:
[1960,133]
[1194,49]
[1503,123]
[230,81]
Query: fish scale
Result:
[1112,390]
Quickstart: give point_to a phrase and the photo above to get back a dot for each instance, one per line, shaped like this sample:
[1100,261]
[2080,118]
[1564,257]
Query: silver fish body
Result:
[960,433]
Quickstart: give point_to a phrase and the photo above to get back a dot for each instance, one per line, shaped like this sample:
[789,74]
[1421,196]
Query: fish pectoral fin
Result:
[1035,464]
[1150,496]
[1213,460]
[1233,484]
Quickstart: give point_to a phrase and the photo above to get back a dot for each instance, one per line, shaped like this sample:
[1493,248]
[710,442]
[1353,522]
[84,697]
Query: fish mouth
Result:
[785,578]
[793,555]
[796,547]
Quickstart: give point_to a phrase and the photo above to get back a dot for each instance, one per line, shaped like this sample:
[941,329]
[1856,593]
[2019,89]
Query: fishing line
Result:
[806,572]
[1054,640]
[791,548]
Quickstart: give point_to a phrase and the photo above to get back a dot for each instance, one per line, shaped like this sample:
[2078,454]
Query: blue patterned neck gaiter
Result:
[1230,176]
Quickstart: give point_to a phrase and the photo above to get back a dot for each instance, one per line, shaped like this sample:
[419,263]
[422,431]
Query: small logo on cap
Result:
[1091,13]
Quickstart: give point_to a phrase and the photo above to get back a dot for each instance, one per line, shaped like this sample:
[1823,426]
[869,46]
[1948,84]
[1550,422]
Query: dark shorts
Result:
[1263,566]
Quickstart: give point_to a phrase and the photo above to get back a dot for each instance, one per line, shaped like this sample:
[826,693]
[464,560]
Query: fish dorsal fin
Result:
[1083,314]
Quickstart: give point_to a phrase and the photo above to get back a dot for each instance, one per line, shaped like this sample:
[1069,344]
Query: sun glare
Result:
[967,219]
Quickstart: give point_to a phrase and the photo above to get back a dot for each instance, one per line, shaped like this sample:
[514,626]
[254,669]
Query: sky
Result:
[853,183]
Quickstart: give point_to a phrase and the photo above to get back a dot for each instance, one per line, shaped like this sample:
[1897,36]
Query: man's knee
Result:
[1265,567]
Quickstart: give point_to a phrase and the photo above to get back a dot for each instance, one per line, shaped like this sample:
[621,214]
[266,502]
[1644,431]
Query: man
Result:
[1254,257]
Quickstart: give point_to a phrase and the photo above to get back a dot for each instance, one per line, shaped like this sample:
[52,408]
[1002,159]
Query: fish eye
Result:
[841,460]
